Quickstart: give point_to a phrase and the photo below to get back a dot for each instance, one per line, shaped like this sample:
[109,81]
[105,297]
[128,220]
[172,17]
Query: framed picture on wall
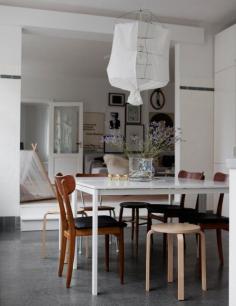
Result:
[168,118]
[115,127]
[134,135]
[133,114]
[116,99]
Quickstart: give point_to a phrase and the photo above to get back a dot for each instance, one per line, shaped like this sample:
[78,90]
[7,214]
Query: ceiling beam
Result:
[98,27]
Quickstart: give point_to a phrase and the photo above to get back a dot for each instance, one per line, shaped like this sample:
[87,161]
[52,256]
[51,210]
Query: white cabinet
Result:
[225,49]
[224,113]
[225,96]
[225,101]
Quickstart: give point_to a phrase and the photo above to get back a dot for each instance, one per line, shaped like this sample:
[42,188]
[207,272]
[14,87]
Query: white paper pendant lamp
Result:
[139,58]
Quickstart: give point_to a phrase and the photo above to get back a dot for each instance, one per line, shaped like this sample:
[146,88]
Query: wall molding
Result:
[9,224]
[9,76]
[197,88]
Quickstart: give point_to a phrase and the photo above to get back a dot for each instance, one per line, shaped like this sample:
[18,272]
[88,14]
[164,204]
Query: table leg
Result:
[95,243]
[74,207]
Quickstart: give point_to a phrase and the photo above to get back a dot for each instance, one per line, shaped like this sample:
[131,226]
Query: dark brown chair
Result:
[135,218]
[214,221]
[73,227]
[101,207]
[162,212]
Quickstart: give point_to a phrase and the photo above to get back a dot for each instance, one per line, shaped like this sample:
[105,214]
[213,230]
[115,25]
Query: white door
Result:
[66,138]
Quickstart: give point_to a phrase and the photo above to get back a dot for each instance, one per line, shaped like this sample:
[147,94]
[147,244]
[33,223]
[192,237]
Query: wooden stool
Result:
[179,229]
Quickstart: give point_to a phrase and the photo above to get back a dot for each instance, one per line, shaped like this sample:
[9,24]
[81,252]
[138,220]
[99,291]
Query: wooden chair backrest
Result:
[193,176]
[220,177]
[65,185]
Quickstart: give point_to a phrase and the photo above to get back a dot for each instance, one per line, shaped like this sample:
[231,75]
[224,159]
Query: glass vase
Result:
[140,169]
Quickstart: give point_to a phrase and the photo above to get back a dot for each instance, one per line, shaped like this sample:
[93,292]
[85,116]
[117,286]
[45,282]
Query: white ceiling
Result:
[193,12]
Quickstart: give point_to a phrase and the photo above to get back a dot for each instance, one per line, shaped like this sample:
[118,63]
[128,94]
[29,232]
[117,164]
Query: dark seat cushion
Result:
[209,218]
[134,204]
[103,221]
[162,208]
[173,211]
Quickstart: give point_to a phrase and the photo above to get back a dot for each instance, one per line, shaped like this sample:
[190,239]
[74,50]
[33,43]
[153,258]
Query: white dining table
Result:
[100,186]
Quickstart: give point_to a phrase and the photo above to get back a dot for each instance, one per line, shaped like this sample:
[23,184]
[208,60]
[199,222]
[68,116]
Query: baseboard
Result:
[8,224]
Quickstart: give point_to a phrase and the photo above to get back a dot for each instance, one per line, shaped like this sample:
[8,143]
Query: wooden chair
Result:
[178,229]
[44,227]
[210,220]
[162,212]
[73,227]
[101,207]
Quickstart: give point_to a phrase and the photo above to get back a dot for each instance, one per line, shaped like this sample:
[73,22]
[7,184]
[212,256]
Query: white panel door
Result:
[197,130]
[196,123]
[225,114]
[66,138]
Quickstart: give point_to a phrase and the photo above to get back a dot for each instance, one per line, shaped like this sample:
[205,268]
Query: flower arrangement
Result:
[158,139]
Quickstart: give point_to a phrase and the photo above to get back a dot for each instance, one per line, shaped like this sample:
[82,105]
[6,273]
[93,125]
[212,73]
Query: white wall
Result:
[35,128]
[93,92]
[10,64]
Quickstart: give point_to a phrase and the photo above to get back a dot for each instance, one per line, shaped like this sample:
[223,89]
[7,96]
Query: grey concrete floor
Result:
[26,279]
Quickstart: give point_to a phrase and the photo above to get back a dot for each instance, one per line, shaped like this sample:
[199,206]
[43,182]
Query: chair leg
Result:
[149,222]
[180,239]
[116,240]
[121,255]
[164,239]
[203,260]
[148,259]
[70,260]
[170,258]
[137,229]
[107,252]
[132,224]
[86,247]
[121,214]
[80,245]
[219,244]
[62,254]
[43,247]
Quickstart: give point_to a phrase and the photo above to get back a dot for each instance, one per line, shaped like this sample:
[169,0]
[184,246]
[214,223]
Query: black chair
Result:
[210,220]
[162,212]
[134,206]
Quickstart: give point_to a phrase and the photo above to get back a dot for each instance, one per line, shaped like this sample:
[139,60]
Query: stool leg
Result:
[137,229]
[203,260]
[148,255]
[180,238]
[170,258]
